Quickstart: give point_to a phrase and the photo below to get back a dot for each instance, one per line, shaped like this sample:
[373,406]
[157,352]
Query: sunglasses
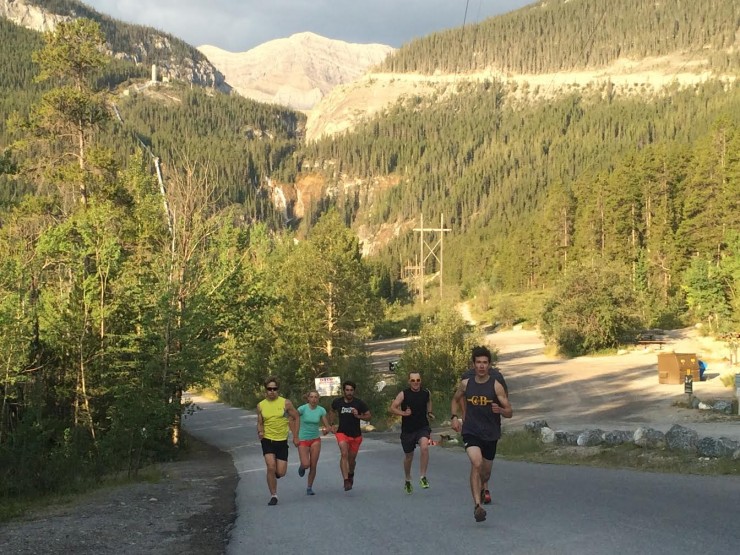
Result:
[415,380]
[271,388]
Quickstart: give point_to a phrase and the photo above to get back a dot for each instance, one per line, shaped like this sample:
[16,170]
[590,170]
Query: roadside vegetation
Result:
[527,447]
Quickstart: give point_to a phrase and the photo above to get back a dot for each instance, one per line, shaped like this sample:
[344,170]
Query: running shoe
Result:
[347,485]
[301,471]
[273,500]
[423,482]
[309,491]
[408,488]
[485,496]
[479,513]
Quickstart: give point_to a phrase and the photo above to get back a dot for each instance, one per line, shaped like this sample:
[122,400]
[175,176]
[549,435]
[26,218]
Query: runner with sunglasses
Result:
[275,416]
[414,406]
[350,410]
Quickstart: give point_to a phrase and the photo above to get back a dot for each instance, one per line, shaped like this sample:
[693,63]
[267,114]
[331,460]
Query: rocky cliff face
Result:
[297,71]
[156,49]
[29,16]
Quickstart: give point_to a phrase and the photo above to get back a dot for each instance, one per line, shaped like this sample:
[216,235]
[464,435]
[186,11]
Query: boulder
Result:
[617,437]
[589,438]
[717,447]
[649,437]
[535,426]
[679,438]
[566,438]
[547,435]
[723,406]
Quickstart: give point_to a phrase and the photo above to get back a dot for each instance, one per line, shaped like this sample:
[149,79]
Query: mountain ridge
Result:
[297,71]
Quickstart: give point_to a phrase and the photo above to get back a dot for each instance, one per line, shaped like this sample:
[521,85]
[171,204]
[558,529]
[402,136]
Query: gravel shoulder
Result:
[191,508]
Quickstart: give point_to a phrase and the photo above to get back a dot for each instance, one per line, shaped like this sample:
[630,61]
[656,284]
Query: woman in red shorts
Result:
[309,448]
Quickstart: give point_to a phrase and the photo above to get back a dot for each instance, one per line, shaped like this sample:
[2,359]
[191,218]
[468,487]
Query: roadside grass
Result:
[525,446]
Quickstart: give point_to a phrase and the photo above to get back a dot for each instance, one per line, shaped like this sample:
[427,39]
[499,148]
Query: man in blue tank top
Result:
[485,402]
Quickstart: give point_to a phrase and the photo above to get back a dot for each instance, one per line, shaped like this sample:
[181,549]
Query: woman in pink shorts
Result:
[309,448]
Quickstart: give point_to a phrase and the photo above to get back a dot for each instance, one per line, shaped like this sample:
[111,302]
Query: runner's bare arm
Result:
[294,420]
[260,423]
[430,414]
[330,417]
[396,406]
[504,409]
[456,404]
[363,415]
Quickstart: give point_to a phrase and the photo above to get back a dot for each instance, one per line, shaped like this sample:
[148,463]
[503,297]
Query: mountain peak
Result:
[296,71]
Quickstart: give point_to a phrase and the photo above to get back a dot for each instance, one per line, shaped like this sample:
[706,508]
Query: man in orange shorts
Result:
[350,410]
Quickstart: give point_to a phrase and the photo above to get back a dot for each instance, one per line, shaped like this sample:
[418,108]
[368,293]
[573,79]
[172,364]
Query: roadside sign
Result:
[328,386]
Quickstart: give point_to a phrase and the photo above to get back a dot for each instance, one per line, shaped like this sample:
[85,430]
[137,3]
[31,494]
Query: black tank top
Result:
[417,402]
[480,420]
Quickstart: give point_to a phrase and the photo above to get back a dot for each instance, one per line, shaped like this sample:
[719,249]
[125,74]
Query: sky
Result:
[238,25]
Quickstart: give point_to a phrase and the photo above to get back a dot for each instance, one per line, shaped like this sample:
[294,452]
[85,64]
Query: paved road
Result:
[538,509]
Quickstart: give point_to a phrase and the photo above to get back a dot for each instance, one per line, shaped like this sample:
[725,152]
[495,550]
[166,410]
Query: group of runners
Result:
[479,402]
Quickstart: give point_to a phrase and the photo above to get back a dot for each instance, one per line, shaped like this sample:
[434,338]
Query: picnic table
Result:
[651,339]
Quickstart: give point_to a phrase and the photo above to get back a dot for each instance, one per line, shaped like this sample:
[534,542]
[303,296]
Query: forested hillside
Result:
[535,191]
[562,35]
[241,140]
[142,45]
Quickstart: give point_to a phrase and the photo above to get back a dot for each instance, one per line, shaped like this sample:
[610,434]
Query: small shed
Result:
[673,367]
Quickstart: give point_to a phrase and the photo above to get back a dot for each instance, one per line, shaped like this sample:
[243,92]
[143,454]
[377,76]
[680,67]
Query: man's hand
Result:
[456,424]
[406,412]
[296,441]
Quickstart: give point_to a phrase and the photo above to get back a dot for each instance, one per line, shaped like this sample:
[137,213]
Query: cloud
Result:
[238,25]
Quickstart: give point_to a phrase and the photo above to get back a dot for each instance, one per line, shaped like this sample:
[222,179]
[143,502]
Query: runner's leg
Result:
[315,452]
[408,458]
[423,456]
[344,459]
[271,479]
[304,453]
[476,461]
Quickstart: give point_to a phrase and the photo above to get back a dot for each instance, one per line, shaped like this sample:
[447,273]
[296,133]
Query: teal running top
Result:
[310,420]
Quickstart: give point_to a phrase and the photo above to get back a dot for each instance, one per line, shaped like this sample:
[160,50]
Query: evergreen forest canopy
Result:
[563,35]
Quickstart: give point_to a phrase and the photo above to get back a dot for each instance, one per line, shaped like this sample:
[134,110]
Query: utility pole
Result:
[428,249]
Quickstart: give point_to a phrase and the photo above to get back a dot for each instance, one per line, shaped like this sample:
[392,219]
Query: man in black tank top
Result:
[414,406]
[496,373]
[485,401]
